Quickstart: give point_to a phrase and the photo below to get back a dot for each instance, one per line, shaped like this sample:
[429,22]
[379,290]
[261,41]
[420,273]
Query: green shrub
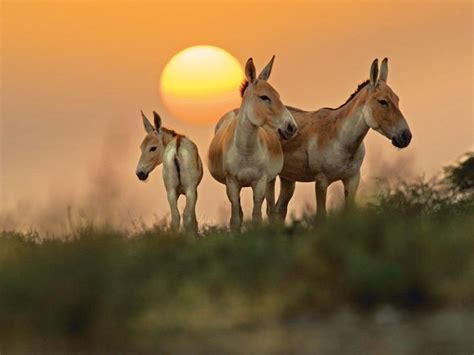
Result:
[101,288]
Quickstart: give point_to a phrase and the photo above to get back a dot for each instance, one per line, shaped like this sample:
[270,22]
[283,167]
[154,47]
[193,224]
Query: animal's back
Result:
[223,134]
[182,165]
[224,120]
[188,156]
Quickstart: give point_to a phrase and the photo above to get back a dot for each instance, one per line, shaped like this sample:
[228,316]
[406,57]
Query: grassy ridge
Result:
[105,289]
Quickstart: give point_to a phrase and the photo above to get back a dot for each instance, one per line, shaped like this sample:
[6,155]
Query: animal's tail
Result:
[177,157]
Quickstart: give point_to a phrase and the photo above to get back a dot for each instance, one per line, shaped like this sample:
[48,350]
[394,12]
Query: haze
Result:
[75,76]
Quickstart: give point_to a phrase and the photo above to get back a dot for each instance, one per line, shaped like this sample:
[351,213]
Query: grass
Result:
[103,290]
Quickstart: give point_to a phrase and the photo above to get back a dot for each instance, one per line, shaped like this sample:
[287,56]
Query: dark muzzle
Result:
[289,131]
[402,140]
[142,175]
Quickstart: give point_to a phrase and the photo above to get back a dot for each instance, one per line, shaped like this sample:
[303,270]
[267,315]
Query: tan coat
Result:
[245,150]
[329,144]
[182,168]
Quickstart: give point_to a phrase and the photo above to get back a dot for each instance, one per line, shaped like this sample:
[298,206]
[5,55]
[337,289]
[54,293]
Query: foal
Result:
[182,168]
[245,150]
[329,144]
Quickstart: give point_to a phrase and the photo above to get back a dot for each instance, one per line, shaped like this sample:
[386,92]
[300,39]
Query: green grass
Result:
[99,288]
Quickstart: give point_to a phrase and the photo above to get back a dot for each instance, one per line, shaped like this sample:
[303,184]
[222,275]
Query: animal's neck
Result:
[245,137]
[354,127]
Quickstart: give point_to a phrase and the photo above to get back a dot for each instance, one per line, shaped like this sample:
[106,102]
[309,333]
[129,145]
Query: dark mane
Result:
[243,86]
[359,88]
[170,131]
[295,109]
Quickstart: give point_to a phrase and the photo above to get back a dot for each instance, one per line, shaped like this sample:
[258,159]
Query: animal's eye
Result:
[152,149]
[383,102]
[265,98]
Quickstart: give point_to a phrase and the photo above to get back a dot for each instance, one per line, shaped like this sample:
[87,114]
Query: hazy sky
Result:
[74,76]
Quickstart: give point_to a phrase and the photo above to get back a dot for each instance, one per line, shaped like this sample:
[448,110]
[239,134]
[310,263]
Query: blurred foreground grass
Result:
[102,290]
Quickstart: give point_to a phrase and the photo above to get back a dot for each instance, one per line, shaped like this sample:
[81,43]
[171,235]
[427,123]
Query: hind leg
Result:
[189,214]
[287,189]
[172,195]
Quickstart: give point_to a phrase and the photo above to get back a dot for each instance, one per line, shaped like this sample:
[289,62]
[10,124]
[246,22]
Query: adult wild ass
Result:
[182,168]
[245,150]
[329,145]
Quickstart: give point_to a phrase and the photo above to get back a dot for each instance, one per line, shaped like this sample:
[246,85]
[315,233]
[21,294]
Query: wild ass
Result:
[329,144]
[245,150]
[182,168]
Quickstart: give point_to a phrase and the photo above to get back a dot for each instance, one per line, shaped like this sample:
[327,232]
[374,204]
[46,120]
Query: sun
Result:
[201,83]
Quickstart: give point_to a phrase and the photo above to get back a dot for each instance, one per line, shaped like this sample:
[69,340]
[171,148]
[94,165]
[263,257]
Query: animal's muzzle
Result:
[288,131]
[402,140]
[142,175]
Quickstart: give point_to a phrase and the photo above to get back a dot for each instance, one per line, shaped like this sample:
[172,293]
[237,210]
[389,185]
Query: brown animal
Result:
[182,168]
[245,150]
[329,145]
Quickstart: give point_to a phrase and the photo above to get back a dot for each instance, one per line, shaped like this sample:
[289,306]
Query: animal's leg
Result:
[321,187]
[189,215]
[350,190]
[173,201]
[270,197]
[259,188]
[287,189]
[233,193]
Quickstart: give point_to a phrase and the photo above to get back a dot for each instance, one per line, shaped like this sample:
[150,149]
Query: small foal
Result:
[182,168]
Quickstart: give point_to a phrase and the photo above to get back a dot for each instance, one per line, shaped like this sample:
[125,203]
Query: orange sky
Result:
[75,75]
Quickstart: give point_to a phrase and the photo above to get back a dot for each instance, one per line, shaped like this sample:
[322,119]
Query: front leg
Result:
[259,188]
[351,185]
[321,187]
[270,198]
[233,193]
[173,202]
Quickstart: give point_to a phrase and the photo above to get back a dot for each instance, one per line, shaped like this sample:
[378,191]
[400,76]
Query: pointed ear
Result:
[265,74]
[374,73]
[250,72]
[384,70]
[148,126]
[157,120]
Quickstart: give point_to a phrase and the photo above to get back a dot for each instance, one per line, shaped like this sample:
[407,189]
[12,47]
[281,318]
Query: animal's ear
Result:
[374,73]
[250,72]
[157,120]
[148,126]
[265,74]
[384,70]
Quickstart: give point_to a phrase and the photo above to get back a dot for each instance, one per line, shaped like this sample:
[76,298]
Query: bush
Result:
[105,289]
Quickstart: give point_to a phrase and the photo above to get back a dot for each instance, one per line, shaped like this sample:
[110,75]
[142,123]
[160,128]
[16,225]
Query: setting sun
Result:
[200,83]
[146,207]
